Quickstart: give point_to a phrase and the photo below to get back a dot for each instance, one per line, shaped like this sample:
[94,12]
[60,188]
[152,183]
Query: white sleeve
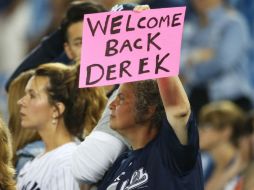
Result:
[95,155]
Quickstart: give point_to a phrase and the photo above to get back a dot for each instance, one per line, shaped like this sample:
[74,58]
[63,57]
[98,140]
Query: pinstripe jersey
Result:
[51,171]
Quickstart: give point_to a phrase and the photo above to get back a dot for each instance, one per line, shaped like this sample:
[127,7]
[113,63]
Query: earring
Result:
[54,120]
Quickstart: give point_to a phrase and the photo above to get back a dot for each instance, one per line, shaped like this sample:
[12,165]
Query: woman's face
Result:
[209,137]
[35,110]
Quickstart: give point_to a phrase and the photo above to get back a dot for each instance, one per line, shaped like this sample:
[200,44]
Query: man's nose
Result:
[112,104]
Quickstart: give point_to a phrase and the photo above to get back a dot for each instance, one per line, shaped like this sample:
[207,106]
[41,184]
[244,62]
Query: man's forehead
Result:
[76,27]
[75,30]
[126,89]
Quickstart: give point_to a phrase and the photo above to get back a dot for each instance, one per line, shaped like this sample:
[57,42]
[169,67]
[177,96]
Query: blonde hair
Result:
[6,170]
[97,102]
[21,135]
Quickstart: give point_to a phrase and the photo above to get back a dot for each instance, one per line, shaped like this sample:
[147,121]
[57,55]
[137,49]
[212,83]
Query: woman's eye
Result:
[32,95]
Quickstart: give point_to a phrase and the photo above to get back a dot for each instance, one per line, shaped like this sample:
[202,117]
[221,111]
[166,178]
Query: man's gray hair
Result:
[147,95]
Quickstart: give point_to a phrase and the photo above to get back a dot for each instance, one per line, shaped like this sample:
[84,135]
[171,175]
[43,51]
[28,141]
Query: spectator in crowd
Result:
[215,55]
[27,143]
[58,110]
[156,121]
[221,135]
[6,171]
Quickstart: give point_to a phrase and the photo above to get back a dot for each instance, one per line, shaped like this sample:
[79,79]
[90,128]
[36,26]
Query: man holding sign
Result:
[155,118]
[157,121]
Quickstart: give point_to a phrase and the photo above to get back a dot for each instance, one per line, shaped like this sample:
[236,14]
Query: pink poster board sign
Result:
[126,46]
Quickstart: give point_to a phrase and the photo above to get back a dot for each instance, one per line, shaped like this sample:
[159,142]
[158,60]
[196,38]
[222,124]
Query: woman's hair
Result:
[6,170]
[83,106]
[21,135]
[224,114]
[147,95]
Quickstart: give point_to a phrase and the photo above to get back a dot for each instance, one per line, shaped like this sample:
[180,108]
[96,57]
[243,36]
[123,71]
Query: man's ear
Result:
[68,51]
[151,111]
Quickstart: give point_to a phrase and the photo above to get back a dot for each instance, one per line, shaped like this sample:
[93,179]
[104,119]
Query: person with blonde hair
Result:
[59,110]
[27,144]
[6,171]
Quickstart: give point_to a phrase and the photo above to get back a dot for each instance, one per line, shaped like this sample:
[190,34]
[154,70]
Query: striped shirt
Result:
[51,171]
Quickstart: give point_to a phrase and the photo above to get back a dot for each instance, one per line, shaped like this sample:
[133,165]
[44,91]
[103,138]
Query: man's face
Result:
[122,115]
[74,41]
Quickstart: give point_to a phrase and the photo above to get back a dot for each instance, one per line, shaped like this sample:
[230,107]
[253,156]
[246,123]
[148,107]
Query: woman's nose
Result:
[21,101]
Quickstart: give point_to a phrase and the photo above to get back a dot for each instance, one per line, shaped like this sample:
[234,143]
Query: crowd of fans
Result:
[58,136]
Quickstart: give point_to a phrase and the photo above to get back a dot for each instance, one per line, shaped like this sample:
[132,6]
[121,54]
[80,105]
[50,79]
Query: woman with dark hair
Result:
[58,110]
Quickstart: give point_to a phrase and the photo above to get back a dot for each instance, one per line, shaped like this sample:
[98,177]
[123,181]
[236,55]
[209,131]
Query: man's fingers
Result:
[140,8]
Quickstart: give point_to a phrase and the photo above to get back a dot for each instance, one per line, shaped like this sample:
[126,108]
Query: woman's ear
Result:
[59,109]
